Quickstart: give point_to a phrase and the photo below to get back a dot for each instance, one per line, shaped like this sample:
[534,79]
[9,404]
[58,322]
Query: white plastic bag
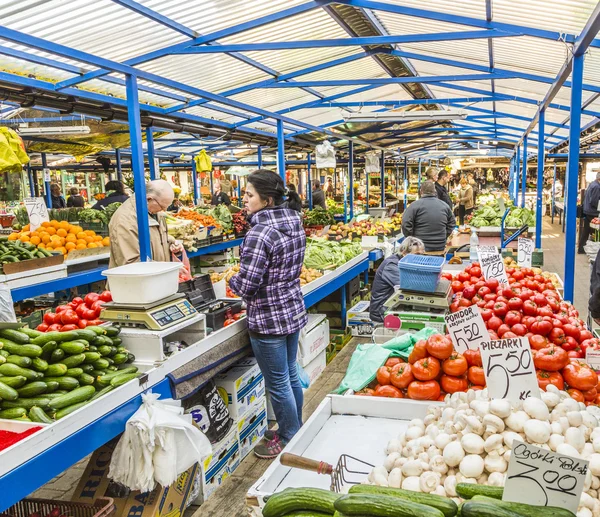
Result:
[325,155]
[7,307]
[159,443]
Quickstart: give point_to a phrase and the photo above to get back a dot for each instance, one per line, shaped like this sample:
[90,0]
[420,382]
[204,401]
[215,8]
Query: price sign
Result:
[493,267]
[467,329]
[46,174]
[544,478]
[525,251]
[592,357]
[37,211]
[509,370]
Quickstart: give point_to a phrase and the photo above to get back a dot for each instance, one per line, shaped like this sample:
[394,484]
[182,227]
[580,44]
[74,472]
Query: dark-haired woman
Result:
[115,193]
[271,259]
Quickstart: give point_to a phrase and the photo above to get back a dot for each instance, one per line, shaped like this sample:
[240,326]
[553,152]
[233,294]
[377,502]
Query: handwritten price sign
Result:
[493,267]
[544,478]
[37,211]
[509,370]
[525,251]
[467,329]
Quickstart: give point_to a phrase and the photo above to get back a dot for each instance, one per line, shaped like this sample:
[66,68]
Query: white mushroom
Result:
[411,483]
[429,481]
[450,486]
[395,478]
[495,463]
[537,431]
[472,466]
[500,408]
[574,437]
[516,421]
[453,454]
[493,443]
[472,443]
[496,479]
[536,409]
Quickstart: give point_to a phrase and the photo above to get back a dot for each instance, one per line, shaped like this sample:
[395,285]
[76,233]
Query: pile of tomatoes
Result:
[77,314]
[433,369]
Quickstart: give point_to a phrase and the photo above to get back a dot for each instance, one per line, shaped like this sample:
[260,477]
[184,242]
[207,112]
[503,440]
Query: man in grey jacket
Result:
[318,196]
[429,219]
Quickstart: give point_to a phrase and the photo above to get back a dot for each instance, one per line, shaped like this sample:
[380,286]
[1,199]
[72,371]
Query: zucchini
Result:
[26,403]
[468,490]
[377,505]
[85,379]
[14,382]
[32,333]
[23,350]
[75,397]
[59,337]
[445,505]
[68,410]
[15,335]
[102,392]
[87,335]
[12,370]
[72,347]
[74,372]
[73,360]
[91,357]
[32,389]
[99,331]
[57,356]
[23,362]
[13,413]
[513,509]
[8,393]
[65,382]
[37,414]
[293,499]
[52,386]
[47,350]
[39,364]
[124,378]
[56,370]
[112,330]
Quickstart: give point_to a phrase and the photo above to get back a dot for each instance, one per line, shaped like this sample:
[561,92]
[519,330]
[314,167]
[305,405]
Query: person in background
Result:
[219,197]
[268,282]
[441,190]
[465,201]
[590,211]
[56,198]
[293,201]
[123,228]
[594,301]
[75,199]
[388,276]
[429,219]
[431,173]
[330,190]
[115,193]
[473,183]
[318,196]
[225,185]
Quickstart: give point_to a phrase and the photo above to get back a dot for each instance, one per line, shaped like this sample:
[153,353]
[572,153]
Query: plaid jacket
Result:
[271,258]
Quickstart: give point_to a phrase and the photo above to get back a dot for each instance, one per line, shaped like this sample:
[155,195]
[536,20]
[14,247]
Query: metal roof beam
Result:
[507,115]
[490,42]
[400,103]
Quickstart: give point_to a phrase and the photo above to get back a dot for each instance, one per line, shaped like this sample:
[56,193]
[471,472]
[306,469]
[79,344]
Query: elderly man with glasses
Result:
[123,228]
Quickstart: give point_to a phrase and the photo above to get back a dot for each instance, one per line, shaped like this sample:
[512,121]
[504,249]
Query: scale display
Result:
[169,315]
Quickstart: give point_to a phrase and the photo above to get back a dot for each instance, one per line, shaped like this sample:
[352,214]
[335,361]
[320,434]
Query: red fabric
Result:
[8,438]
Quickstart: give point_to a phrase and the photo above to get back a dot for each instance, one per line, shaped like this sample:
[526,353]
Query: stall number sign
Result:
[467,329]
[37,211]
[592,357]
[541,477]
[525,251]
[491,264]
[509,370]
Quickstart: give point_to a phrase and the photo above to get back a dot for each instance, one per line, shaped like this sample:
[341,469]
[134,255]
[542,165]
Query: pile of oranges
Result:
[60,236]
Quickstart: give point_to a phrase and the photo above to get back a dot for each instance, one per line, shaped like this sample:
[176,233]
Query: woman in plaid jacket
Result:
[271,258]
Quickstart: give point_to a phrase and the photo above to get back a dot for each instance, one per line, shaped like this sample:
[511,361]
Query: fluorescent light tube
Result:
[405,115]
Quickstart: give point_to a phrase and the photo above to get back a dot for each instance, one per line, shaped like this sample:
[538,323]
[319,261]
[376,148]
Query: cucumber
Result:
[39,365]
[87,368]
[130,358]
[72,347]
[12,370]
[23,362]
[110,361]
[8,393]
[56,370]
[59,337]
[68,410]
[101,364]
[377,505]
[124,378]
[294,499]
[57,356]
[116,341]
[102,392]
[37,414]
[445,505]
[92,348]
[482,506]
[74,372]
[64,383]
[112,330]
[112,368]
[52,386]
[106,350]
[32,389]
[14,382]
[26,403]
[4,354]
[32,333]
[73,360]
[75,397]
[99,331]
[310,513]
[91,357]
[119,358]
[3,359]
[104,380]
[85,379]
[13,413]
[47,350]
[87,335]
[468,490]
[15,335]
[23,350]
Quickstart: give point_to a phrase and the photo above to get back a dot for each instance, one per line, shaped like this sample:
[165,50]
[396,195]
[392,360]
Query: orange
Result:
[97,238]
[81,235]
[46,238]
[64,225]
[81,241]
[80,247]
[90,232]
[89,239]
[76,229]
[62,241]
[51,230]
[61,232]
[54,224]
[70,246]
[92,245]
[106,241]
[26,228]
[35,240]
[45,224]
[24,238]
[61,250]
[41,246]
[13,236]
[71,237]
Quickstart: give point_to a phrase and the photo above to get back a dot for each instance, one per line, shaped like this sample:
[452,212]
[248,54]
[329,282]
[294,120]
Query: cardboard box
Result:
[419,320]
[313,339]
[252,426]
[316,367]
[241,386]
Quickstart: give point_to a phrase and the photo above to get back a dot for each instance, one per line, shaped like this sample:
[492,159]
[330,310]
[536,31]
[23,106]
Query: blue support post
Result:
[119,166]
[367,191]
[195,182]
[554,193]
[280,150]
[351,177]
[47,193]
[211,181]
[239,191]
[540,180]
[259,157]
[419,180]
[572,178]
[309,182]
[524,175]
[137,167]
[405,182]
[382,179]
[150,147]
[30,178]
[517,175]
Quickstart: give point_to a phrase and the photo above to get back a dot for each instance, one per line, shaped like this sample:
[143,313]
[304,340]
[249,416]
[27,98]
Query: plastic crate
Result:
[420,273]
[102,507]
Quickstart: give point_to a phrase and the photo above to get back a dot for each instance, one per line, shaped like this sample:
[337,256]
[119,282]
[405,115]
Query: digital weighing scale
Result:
[159,315]
[437,301]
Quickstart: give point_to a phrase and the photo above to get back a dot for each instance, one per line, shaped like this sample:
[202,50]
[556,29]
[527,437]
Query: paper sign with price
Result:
[37,211]
[525,251]
[508,369]
[592,357]
[493,267]
[544,478]
[467,329]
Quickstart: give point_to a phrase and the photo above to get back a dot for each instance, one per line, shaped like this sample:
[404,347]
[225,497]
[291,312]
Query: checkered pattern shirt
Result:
[271,258]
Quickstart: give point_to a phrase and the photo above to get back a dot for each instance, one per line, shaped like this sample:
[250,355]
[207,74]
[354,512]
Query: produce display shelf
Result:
[215,248]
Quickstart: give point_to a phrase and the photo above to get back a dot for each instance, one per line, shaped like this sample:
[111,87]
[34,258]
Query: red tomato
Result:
[393,361]
[570,344]
[476,375]
[503,329]
[69,317]
[512,318]
[473,357]
[401,375]
[519,329]
[439,347]
[456,365]
[55,328]
[476,271]
[80,309]
[426,369]
[537,342]
[494,323]
[492,283]
[453,384]
[419,351]
[486,314]
[50,318]
[42,327]
[576,353]
[428,390]
[590,395]
[383,375]
[552,359]
[541,326]
[463,302]
[88,314]
[82,324]
[540,300]
[66,328]
[463,276]
[105,296]
[544,378]
[457,286]
[572,331]
[97,306]
[483,291]
[389,392]
[91,298]
[500,309]
[95,323]
[576,394]
[515,304]
[62,308]
[77,301]
[557,336]
[469,292]
[530,308]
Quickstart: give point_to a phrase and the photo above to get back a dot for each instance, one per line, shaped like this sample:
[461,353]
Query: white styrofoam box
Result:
[252,426]
[225,458]
[241,386]
[316,367]
[313,339]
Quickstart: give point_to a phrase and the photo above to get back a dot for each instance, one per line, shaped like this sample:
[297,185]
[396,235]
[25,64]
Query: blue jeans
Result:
[276,356]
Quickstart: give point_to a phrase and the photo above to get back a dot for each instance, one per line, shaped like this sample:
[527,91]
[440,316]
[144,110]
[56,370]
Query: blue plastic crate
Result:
[420,273]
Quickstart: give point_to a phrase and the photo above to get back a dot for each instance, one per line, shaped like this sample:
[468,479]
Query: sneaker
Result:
[267,450]
[272,435]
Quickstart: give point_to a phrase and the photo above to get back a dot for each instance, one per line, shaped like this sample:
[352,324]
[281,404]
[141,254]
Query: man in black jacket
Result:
[318,196]
[441,190]
[590,211]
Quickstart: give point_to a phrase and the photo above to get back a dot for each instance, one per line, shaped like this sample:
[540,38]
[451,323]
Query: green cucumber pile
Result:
[17,251]
[44,376]
[377,501]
